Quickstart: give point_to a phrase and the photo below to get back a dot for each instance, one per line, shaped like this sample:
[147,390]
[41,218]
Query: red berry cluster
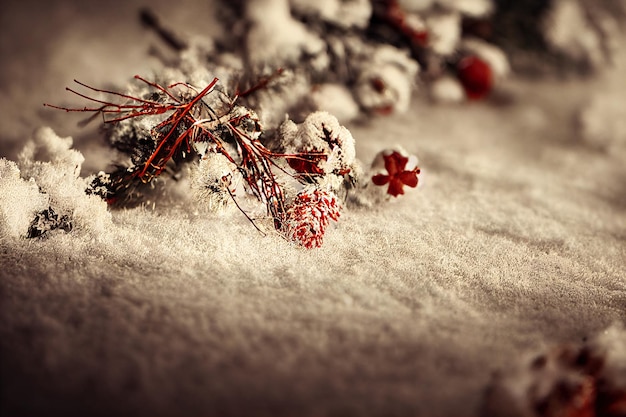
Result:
[308,217]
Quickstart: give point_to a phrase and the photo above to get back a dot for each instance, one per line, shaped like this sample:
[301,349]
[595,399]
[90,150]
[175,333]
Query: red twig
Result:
[183,127]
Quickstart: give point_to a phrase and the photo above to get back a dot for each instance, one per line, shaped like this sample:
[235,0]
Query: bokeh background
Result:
[514,243]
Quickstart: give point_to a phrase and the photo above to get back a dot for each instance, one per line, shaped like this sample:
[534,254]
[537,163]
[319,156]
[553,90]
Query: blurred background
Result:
[44,46]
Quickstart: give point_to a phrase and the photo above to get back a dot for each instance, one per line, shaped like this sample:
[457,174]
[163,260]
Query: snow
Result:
[21,199]
[514,242]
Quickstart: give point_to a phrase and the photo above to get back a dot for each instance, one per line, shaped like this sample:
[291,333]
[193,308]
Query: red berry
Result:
[420,38]
[306,164]
[475,76]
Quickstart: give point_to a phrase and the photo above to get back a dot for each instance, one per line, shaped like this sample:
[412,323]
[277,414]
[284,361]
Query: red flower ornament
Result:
[398,176]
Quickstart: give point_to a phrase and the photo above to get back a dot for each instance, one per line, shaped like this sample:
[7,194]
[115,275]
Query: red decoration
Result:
[398,176]
[475,76]
[307,164]
[308,217]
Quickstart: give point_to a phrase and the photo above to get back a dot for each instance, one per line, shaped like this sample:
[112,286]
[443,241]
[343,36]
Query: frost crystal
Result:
[19,200]
[213,180]
[50,162]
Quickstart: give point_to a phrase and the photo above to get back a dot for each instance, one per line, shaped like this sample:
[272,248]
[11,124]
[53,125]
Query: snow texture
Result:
[211,179]
[396,72]
[515,242]
[447,89]
[49,166]
[20,201]
[277,45]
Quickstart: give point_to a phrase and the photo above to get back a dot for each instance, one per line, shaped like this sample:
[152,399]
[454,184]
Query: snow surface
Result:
[514,241]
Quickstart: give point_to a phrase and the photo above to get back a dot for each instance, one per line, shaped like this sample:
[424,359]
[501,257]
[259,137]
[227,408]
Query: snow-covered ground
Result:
[515,241]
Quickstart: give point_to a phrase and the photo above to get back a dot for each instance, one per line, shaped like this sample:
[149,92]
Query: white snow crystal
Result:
[46,146]
[20,200]
[211,179]
[50,161]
